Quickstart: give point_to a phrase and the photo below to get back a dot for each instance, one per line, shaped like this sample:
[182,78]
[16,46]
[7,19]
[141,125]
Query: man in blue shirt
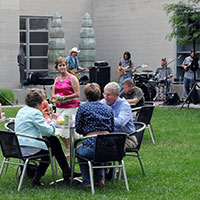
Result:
[72,60]
[123,117]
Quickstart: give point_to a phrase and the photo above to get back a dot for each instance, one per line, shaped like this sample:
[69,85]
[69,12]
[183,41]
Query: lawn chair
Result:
[11,149]
[134,152]
[10,126]
[109,148]
[144,114]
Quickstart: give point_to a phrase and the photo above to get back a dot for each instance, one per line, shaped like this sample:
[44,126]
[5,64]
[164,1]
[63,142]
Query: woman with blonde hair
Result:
[66,91]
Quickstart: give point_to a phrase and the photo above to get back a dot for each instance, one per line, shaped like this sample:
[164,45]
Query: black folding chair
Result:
[144,114]
[109,148]
[11,150]
[10,126]
[140,128]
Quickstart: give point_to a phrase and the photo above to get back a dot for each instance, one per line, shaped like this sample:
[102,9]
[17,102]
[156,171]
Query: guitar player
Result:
[189,73]
[125,68]
[72,61]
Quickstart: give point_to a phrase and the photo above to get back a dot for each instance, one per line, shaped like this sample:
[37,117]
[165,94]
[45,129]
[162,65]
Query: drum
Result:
[142,77]
[148,90]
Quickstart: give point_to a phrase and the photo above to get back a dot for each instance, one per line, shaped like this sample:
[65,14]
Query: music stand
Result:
[188,98]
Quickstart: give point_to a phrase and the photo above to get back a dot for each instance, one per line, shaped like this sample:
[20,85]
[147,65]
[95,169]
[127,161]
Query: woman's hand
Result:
[54,116]
[61,98]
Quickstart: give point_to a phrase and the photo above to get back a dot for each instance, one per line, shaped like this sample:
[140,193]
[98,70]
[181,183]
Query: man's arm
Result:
[81,68]
[124,115]
[133,101]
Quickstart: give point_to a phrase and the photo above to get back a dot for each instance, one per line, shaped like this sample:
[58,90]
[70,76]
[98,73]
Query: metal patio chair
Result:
[11,150]
[109,148]
[134,152]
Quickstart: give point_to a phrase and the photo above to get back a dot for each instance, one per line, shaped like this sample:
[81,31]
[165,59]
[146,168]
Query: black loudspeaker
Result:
[100,74]
[172,98]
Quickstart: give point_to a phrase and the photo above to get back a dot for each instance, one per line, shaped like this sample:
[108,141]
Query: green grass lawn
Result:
[172,165]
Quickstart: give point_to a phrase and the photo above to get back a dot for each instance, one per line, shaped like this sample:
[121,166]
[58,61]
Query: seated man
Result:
[134,95]
[164,74]
[123,118]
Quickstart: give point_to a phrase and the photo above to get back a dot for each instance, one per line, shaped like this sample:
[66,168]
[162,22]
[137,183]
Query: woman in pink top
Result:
[66,91]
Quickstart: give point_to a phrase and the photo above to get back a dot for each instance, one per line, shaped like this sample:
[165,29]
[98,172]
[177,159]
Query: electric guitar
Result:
[194,65]
[76,72]
[120,71]
[187,67]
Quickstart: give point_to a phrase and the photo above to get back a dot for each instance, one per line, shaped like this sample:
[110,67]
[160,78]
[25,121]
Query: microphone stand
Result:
[166,80]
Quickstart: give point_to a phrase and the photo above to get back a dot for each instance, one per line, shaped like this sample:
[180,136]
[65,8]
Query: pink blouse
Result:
[64,88]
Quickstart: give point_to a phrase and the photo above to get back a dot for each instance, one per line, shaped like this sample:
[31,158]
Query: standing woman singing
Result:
[66,91]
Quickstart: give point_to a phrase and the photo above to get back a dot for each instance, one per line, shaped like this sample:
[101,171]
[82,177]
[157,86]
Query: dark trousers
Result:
[57,152]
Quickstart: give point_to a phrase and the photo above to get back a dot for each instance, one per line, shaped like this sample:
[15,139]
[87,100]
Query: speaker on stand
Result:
[100,74]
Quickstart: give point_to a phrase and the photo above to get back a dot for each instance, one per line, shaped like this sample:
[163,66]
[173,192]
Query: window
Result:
[34,35]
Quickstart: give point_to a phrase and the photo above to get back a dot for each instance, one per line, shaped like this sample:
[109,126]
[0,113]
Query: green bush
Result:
[8,94]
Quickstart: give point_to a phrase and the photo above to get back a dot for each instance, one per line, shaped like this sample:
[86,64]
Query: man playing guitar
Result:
[189,72]
[73,63]
[125,68]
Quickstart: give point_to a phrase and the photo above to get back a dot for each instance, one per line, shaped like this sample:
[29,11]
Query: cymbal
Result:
[147,70]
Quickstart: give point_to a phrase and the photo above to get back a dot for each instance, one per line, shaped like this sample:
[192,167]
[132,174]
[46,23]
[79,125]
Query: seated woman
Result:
[30,121]
[92,118]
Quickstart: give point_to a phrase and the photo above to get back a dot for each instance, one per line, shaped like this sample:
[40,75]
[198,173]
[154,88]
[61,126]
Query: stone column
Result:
[87,44]
[56,45]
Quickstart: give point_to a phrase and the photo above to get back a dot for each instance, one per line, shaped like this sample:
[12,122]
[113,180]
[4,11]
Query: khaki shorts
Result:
[131,142]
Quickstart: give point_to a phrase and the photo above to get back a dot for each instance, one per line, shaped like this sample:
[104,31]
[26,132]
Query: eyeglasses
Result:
[107,94]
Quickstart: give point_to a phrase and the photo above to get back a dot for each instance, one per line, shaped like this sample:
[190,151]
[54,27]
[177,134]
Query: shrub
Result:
[8,94]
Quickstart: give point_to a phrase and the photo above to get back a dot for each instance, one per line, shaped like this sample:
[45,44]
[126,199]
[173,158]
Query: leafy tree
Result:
[185,21]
